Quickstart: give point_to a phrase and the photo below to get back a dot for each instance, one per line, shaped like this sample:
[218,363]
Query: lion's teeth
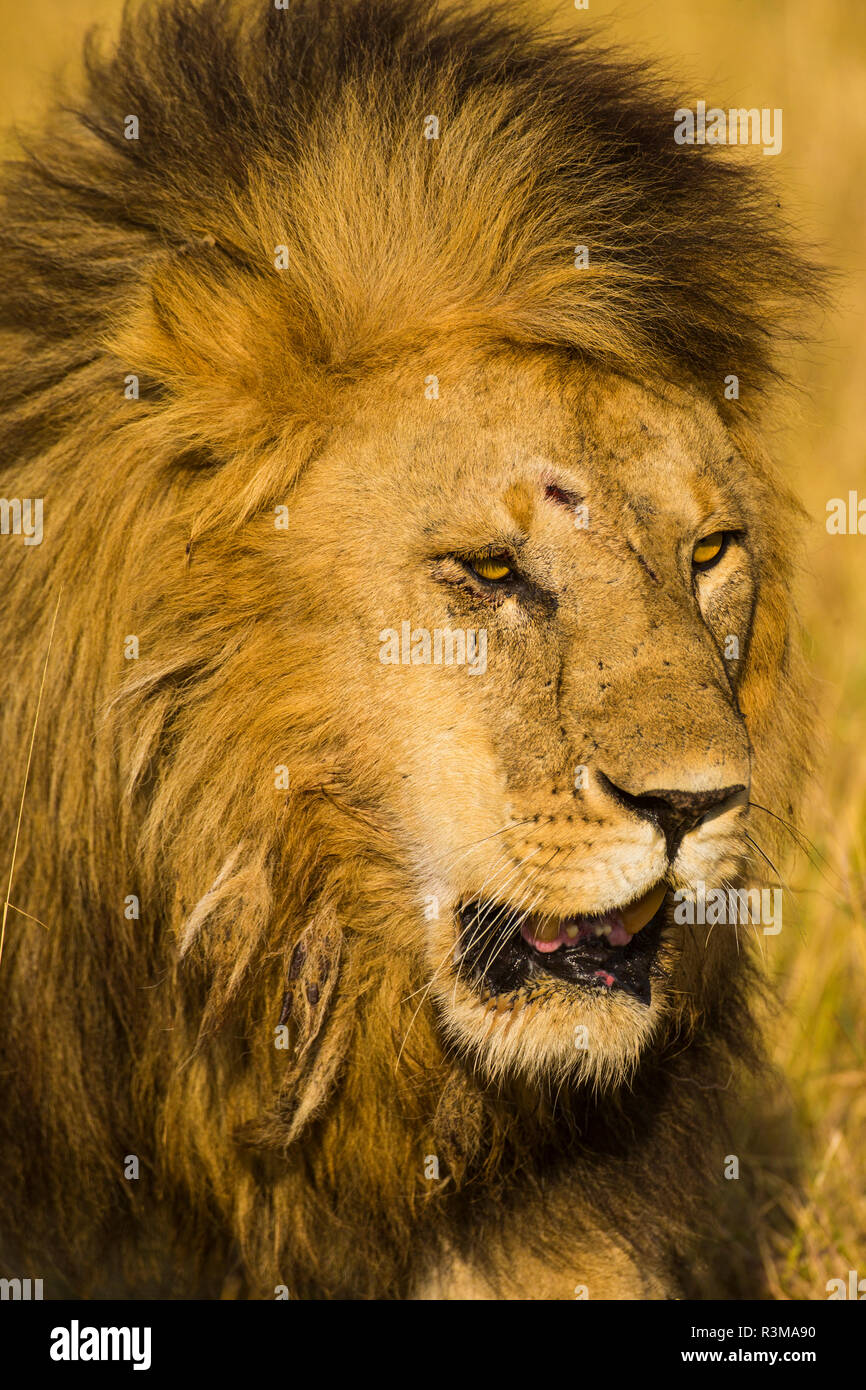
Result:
[547,934]
[543,930]
[636,915]
[545,944]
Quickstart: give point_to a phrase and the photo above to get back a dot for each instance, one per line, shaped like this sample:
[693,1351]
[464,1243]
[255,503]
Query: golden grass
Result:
[808,60]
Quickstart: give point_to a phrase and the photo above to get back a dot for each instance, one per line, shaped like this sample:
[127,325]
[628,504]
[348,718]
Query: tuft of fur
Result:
[303,129]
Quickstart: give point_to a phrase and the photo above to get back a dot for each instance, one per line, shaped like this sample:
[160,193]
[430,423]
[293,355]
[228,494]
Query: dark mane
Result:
[544,144]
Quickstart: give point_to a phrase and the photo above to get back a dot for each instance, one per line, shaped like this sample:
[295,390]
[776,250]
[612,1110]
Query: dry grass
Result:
[809,61]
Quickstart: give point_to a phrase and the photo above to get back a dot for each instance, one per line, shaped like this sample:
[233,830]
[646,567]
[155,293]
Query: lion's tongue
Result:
[617,926]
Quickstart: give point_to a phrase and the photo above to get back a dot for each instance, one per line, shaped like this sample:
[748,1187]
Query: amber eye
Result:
[708,550]
[491,567]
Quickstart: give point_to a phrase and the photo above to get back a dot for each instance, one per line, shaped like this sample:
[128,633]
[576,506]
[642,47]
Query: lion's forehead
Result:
[509,439]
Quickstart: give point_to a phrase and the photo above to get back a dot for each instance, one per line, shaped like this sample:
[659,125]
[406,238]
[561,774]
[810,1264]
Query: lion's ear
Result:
[321,1032]
[312,974]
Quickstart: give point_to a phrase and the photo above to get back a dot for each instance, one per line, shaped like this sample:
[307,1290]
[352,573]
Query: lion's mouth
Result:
[506,950]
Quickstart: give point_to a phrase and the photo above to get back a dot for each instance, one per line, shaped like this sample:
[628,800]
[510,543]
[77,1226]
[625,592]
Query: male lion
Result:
[409,635]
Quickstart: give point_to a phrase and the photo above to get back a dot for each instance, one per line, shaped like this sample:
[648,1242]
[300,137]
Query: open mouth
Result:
[506,950]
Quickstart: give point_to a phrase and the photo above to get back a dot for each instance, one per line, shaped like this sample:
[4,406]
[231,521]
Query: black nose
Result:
[674,812]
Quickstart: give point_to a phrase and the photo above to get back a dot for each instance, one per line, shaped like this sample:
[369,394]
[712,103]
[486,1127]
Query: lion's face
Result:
[587,756]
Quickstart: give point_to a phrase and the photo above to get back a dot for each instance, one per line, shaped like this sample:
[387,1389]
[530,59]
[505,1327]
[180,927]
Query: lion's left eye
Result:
[491,567]
[709,550]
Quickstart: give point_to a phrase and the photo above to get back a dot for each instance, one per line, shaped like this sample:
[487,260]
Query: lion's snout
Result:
[676,811]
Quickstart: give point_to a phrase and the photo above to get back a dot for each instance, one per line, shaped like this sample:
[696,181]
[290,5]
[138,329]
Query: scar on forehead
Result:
[519,498]
[563,496]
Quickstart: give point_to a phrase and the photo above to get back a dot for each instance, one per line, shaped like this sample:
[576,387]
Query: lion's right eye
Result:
[709,549]
[494,568]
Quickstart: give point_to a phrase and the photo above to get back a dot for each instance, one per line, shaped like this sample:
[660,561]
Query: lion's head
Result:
[423,604]
[535,598]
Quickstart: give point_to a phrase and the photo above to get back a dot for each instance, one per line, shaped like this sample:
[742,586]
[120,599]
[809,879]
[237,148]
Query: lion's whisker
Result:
[450,864]
[797,835]
[536,870]
[489,925]
[426,993]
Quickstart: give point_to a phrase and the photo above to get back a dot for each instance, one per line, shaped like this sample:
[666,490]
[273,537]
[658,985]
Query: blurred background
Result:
[809,59]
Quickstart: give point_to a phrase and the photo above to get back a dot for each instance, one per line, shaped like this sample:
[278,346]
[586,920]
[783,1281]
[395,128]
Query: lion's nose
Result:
[675,811]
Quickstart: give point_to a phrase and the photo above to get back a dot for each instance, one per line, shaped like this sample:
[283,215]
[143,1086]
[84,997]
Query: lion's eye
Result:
[491,567]
[708,550]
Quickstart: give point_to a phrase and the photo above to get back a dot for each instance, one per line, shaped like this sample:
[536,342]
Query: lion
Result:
[409,646]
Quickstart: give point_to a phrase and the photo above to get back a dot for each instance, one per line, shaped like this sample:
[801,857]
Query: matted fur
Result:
[262,128]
